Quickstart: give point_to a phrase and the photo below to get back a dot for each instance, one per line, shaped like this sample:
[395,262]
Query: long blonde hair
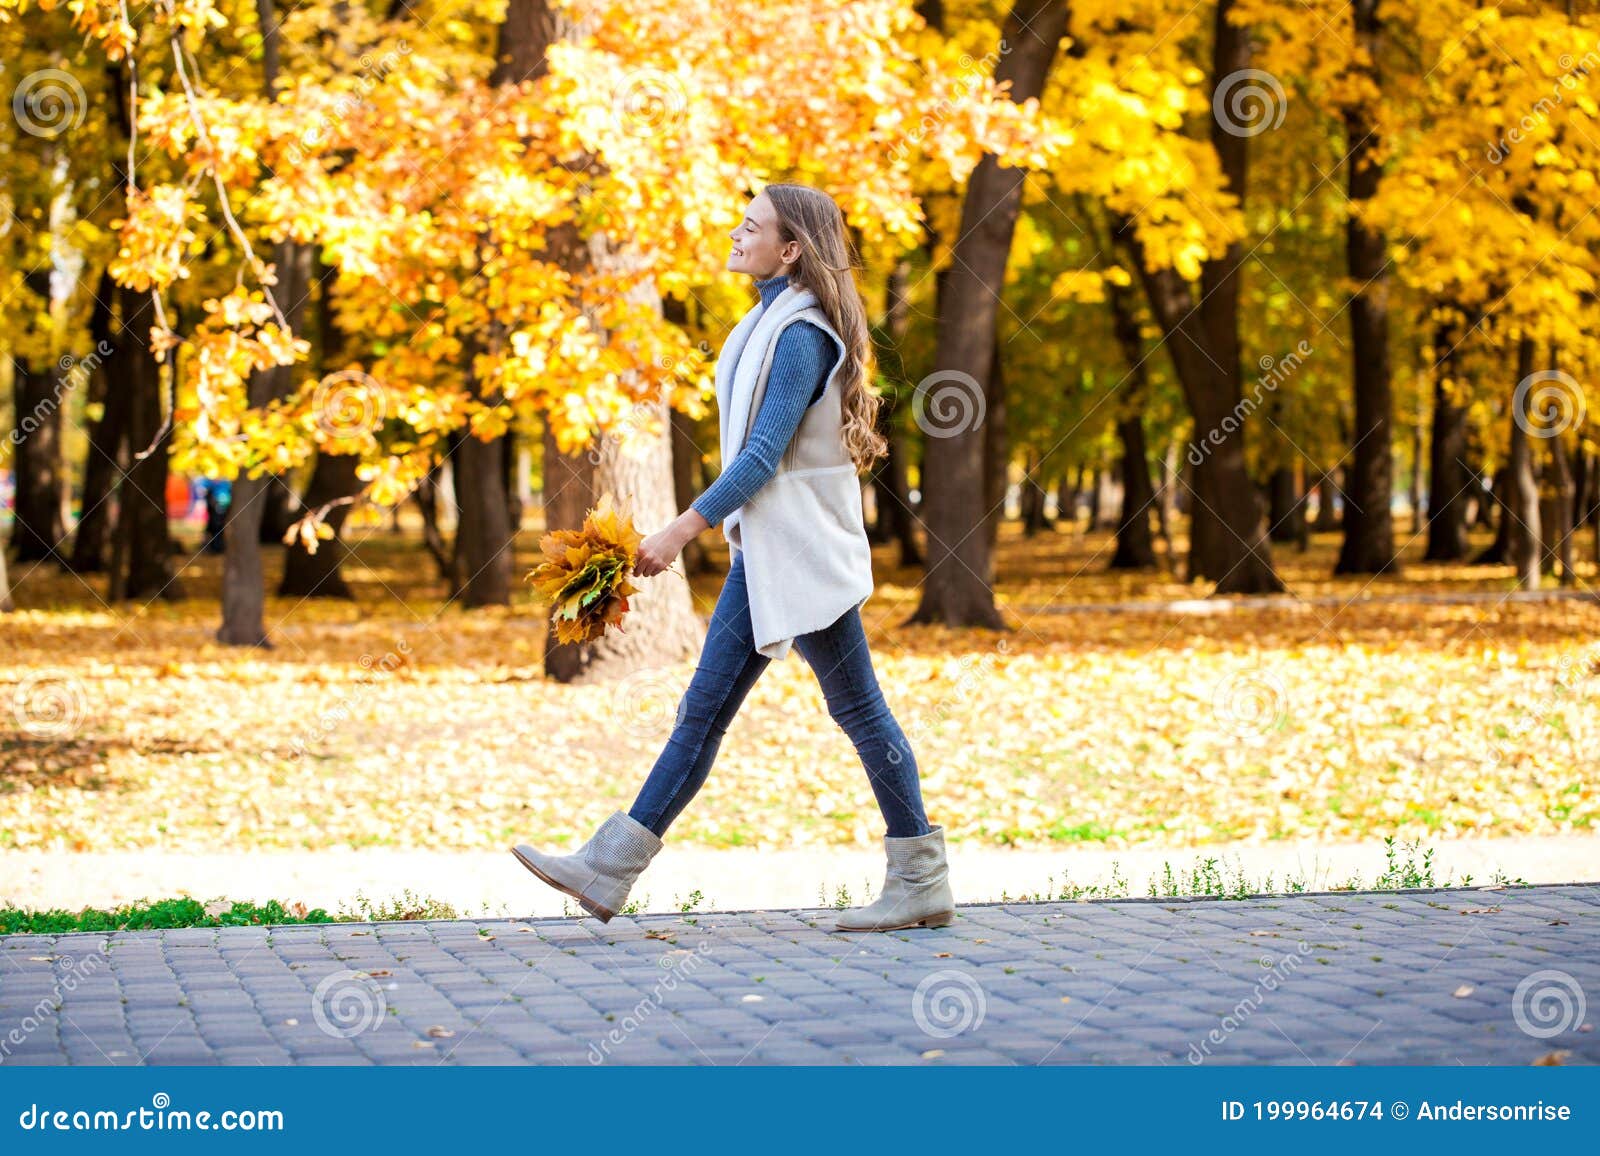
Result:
[811,217]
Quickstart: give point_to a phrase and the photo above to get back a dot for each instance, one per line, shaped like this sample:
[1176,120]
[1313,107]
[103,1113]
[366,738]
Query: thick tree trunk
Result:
[307,575]
[1067,499]
[1368,546]
[40,521]
[483,554]
[1522,509]
[244,590]
[1227,538]
[1559,530]
[662,625]
[957,588]
[142,545]
[256,507]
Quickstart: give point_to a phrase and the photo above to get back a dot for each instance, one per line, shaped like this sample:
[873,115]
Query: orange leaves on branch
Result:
[584,575]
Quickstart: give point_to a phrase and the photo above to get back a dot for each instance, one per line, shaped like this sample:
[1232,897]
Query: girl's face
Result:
[757,248]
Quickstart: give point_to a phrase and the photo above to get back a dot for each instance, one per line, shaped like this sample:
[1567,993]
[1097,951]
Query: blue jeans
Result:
[729,666]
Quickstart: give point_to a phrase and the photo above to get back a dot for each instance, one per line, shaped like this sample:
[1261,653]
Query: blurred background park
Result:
[1242,509]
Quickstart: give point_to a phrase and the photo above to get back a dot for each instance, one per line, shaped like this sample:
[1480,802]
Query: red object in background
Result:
[180,496]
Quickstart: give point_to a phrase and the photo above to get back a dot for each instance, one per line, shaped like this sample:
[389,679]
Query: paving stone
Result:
[1145,982]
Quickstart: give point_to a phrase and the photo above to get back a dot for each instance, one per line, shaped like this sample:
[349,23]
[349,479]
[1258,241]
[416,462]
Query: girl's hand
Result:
[656,553]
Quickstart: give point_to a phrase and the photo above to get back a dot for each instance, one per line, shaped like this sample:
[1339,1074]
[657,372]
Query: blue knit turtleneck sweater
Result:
[800,366]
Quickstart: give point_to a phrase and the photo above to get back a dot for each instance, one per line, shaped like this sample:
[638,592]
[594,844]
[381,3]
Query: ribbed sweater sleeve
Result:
[800,365]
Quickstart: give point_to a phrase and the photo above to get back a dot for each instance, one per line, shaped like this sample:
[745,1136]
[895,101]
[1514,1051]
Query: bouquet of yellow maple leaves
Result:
[584,575]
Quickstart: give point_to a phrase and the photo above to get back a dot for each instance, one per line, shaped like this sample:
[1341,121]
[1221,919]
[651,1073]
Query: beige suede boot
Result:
[916,888]
[599,874]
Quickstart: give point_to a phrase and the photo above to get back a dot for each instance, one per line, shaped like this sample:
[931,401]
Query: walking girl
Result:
[789,503]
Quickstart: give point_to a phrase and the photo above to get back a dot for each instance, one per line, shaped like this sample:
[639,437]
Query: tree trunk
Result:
[142,545]
[39,523]
[1227,539]
[1034,516]
[687,460]
[105,458]
[1368,546]
[996,452]
[6,605]
[891,476]
[1135,547]
[1522,508]
[1067,499]
[243,582]
[1561,506]
[1284,508]
[957,588]
[662,626]
[427,498]
[1450,478]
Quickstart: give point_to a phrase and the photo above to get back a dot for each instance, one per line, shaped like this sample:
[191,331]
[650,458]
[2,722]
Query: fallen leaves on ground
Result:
[404,722]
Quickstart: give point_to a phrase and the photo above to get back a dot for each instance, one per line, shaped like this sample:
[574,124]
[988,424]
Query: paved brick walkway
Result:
[1469,976]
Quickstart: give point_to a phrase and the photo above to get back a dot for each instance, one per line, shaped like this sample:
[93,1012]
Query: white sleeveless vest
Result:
[807,558]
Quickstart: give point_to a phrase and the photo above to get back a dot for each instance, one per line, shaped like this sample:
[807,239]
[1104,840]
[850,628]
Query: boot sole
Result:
[584,901]
[942,919]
